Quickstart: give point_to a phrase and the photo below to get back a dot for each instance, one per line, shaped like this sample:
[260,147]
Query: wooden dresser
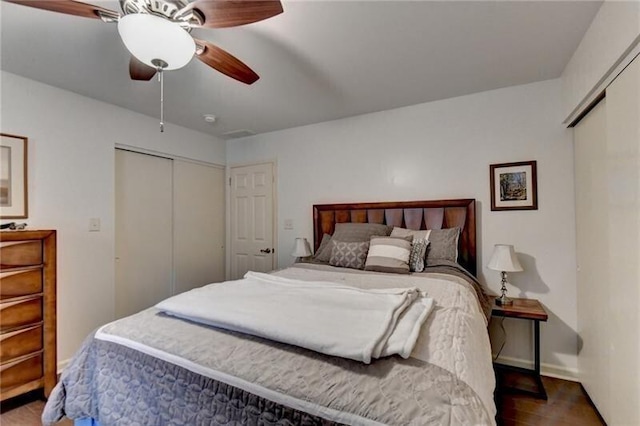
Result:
[27,312]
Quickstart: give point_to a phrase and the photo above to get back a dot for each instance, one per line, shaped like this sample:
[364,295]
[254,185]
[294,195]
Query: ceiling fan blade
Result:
[140,71]
[230,13]
[69,7]
[226,63]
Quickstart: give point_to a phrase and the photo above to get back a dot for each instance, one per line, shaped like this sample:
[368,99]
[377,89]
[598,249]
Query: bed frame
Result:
[407,214]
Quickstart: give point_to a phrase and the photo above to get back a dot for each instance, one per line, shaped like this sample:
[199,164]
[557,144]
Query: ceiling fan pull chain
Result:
[160,66]
[161,78]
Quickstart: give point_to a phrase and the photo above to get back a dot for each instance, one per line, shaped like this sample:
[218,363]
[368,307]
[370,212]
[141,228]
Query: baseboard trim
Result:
[63,364]
[551,370]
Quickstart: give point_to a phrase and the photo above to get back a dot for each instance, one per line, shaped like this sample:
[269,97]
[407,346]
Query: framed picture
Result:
[13,177]
[514,186]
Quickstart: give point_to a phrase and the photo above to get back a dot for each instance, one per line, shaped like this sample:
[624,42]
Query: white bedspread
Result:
[326,317]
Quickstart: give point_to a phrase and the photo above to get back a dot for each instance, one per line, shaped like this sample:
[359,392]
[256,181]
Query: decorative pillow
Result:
[389,254]
[350,232]
[443,245]
[348,254]
[323,254]
[418,252]
[418,248]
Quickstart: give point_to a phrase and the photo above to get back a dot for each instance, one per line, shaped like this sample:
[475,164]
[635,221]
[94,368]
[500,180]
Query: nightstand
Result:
[531,310]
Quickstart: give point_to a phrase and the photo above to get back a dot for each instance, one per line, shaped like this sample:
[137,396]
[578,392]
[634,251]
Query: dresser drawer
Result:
[20,253]
[15,344]
[21,371]
[20,283]
[19,313]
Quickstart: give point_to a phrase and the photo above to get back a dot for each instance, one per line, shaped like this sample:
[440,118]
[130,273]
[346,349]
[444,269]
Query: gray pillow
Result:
[443,245]
[351,232]
[349,254]
[403,232]
[324,250]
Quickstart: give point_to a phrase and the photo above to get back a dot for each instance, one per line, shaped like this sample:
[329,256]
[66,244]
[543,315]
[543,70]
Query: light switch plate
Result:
[94,224]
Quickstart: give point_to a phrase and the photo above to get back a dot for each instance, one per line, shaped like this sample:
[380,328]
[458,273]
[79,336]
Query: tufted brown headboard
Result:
[407,214]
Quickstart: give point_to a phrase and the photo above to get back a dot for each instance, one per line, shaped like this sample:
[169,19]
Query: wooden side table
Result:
[532,310]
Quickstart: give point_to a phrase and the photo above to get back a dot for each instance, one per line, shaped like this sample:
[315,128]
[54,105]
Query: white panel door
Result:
[199,222]
[252,239]
[143,231]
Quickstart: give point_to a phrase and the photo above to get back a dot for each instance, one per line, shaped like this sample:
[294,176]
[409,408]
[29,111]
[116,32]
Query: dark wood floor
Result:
[567,405]
[25,410]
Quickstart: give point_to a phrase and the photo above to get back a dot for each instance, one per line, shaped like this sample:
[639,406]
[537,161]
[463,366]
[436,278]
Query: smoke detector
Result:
[209,118]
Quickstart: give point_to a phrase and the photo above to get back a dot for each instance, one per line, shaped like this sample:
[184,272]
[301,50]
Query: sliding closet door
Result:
[143,231]
[198,224]
[623,169]
[592,245]
[607,168]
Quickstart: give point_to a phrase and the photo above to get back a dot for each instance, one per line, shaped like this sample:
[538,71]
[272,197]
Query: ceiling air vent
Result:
[236,134]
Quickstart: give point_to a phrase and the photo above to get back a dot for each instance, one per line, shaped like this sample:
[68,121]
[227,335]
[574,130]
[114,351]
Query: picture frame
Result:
[514,186]
[13,177]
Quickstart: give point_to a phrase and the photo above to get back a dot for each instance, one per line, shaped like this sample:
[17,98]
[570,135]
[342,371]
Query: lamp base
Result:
[503,300]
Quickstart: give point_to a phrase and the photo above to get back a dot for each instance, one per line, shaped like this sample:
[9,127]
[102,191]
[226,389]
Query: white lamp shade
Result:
[504,259]
[301,248]
[150,37]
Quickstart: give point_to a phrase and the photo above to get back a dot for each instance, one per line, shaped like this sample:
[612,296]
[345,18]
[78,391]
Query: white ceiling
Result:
[318,61]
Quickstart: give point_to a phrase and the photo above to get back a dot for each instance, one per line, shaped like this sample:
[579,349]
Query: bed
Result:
[155,369]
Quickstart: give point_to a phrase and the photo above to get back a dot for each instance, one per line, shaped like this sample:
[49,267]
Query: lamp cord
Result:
[504,341]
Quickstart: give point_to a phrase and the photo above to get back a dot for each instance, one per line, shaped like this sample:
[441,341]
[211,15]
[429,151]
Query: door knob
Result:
[267,250]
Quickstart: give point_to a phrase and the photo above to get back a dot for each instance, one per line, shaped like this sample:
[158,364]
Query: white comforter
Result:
[331,318]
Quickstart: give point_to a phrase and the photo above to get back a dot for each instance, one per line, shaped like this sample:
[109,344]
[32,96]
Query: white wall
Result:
[614,31]
[71,179]
[443,150]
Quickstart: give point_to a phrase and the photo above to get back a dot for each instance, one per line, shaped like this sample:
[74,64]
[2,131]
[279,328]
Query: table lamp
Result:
[504,259]
[301,249]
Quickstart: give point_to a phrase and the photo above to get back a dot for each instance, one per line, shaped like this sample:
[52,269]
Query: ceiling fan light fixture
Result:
[150,38]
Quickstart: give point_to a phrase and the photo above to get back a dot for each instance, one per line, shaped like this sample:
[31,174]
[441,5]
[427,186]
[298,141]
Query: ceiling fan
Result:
[156,32]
